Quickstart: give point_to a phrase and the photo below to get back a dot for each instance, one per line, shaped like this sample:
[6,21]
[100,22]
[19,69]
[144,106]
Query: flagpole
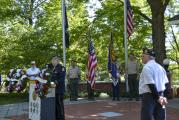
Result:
[126,44]
[63,32]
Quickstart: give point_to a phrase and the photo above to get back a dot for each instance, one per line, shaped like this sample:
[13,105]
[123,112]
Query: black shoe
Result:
[130,99]
[113,99]
[118,99]
[73,99]
[91,99]
[137,99]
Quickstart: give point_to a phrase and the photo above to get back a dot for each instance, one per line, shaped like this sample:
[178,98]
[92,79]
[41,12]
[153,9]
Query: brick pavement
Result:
[101,109]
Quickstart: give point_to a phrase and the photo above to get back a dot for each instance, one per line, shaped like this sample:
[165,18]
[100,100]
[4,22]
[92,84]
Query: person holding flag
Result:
[112,68]
[90,72]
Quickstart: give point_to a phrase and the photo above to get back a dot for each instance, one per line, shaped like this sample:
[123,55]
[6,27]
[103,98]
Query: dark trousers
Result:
[60,113]
[151,108]
[90,92]
[133,85]
[116,92]
[74,89]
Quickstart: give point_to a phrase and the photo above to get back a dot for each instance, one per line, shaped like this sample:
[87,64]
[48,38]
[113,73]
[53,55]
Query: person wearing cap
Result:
[33,71]
[167,92]
[74,75]
[133,72]
[151,87]
[90,90]
[115,77]
[58,78]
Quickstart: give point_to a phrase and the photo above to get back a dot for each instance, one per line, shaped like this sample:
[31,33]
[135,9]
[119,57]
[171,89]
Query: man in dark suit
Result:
[58,77]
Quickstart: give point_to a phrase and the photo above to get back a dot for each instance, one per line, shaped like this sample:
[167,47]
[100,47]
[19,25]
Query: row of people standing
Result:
[74,75]
[134,69]
[132,74]
[151,84]
[149,81]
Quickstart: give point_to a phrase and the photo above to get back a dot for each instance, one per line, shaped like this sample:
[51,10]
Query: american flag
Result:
[92,63]
[130,22]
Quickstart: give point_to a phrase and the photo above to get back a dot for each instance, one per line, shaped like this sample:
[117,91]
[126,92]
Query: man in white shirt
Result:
[33,72]
[151,87]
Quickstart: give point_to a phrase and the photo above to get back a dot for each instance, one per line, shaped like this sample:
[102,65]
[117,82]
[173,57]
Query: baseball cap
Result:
[148,51]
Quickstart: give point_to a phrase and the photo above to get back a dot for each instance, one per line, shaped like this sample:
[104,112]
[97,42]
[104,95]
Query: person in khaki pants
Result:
[74,75]
[133,72]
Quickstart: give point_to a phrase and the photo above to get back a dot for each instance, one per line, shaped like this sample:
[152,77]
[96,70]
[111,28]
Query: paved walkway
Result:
[91,110]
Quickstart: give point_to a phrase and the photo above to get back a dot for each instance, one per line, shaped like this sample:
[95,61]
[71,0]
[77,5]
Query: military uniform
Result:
[132,79]
[89,89]
[0,80]
[58,77]
[74,76]
[115,88]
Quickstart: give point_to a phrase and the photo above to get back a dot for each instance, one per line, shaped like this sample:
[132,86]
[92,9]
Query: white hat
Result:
[11,70]
[166,61]
[32,62]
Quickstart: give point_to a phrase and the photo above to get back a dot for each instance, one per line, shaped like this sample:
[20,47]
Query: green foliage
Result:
[9,98]
[30,31]
[22,42]
[8,10]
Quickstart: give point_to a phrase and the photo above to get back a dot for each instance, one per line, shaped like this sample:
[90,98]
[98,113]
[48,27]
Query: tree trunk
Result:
[158,29]
[30,17]
[158,36]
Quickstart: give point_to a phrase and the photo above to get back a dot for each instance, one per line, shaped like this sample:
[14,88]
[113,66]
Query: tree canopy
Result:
[32,30]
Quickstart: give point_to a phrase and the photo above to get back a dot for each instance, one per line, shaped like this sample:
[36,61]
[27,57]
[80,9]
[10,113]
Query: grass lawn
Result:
[10,98]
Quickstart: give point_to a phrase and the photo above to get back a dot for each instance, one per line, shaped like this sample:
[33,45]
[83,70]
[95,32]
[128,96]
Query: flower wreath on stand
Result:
[43,84]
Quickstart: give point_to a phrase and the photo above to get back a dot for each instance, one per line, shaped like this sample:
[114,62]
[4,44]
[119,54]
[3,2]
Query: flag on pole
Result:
[130,21]
[66,28]
[92,63]
[112,67]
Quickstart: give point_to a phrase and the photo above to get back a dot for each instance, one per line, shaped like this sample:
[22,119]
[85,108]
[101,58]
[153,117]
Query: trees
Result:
[158,8]
[32,30]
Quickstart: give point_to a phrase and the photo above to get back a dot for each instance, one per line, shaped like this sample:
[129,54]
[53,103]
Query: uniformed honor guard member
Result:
[74,78]
[33,72]
[89,89]
[151,87]
[115,87]
[58,77]
[0,80]
[133,71]
[168,91]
